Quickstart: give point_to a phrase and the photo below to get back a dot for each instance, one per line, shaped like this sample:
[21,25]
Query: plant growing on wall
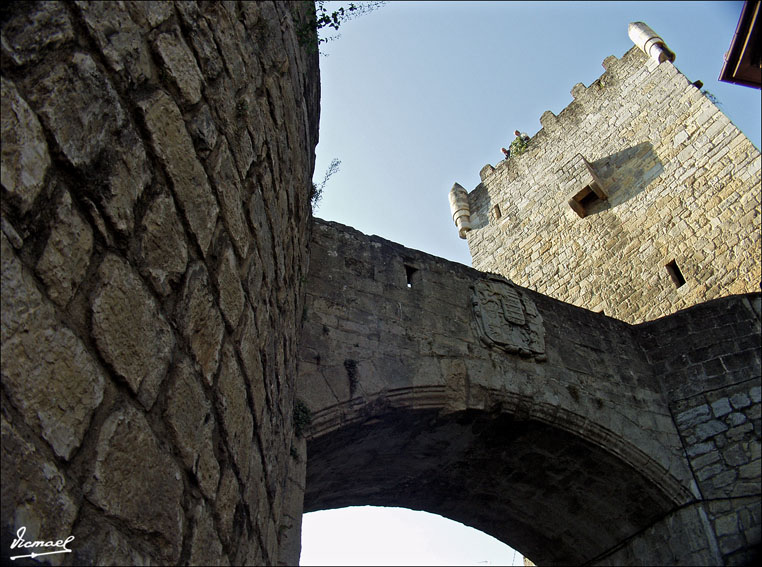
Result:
[518,146]
[317,188]
[332,20]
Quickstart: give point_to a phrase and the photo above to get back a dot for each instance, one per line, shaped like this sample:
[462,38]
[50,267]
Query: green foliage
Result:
[309,31]
[518,146]
[317,189]
[302,417]
[712,97]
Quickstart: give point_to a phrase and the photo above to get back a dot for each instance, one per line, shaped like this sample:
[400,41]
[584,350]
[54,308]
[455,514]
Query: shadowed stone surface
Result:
[201,321]
[128,329]
[128,456]
[551,495]
[189,415]
[67,253]
[175,149]
[162,245]
[25,157]
[48,374]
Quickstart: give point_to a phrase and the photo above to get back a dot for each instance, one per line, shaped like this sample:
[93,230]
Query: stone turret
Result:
[461,213]
[650,42]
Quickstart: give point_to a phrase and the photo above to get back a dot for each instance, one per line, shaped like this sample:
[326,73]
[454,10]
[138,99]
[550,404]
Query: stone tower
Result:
[639,199]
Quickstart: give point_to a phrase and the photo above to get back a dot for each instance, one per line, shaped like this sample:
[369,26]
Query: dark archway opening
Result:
[553,496]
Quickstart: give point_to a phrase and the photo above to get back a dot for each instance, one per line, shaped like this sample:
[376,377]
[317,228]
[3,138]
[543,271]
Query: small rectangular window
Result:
[496,212]
[675,273]
[582,202]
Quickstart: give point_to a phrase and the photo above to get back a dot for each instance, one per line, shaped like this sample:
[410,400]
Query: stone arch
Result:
[568,397]
[556,489]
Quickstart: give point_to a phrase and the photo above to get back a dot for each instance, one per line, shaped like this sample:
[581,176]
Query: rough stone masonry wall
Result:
[710,363]
[683,185]
[156,170]
[372,345]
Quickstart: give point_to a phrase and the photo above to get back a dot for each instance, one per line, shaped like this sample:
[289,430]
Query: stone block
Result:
[175,149]
[248,342]
[200,321]
[135,480]
[229,286]
[740,400]
[29,34]
[225,178]
[80,107]
[162,245]
[57,392]
[228,498]
[149,14]
[180,64]
[203,130]
[202,40]
[699,448]
[24,160]
[735,418]
[693,416]
[36,495]
[191,422]
[709,429]
[119,39]
[721,407]
[233,406]
[735,455]
[127,174]
[67,253]
[205,546]
[131,333]
[98,542]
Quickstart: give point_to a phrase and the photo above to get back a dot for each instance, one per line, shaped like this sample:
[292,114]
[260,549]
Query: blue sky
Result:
[419,95]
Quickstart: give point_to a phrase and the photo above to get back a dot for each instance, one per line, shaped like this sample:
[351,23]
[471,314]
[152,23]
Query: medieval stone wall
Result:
[710,364]
[156,170]
[392,357]
[682,184]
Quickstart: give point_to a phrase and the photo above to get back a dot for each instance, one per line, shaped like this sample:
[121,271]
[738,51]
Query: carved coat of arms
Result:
[507,319]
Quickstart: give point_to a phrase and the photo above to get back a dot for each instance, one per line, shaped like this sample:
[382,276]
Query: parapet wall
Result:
[681,185]
[156,170]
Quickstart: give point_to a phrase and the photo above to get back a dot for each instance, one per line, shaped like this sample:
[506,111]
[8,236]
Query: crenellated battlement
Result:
[640,172]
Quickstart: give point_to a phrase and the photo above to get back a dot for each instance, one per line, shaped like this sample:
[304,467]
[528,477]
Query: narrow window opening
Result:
[496,210]
[675,273]
[409,273]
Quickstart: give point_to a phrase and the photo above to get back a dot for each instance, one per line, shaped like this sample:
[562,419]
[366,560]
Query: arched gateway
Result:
[433,386]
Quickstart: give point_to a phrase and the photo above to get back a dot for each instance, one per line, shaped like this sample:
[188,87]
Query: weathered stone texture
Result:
[127,262]
[48,374]
[28,35]
[162,245]
[200,321]
[175,148]
[128,458]
[79,106]
[191,421]
[25,158]
[682,184]
[130,332]
[206,548]
[233,406]
[67,253]
[35,493]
